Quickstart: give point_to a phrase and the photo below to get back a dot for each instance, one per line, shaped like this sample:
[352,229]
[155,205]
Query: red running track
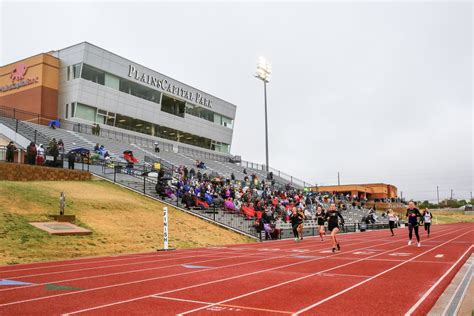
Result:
[373,273]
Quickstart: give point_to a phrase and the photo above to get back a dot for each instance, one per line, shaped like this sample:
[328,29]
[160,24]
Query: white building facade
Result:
[97,86]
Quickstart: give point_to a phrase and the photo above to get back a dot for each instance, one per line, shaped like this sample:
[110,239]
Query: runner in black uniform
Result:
[412,216]
[333,216]
[300,226]
[296,220]
[321,218]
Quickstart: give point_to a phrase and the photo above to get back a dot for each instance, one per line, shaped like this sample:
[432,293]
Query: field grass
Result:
[121,221]
[447,217]
[444,217]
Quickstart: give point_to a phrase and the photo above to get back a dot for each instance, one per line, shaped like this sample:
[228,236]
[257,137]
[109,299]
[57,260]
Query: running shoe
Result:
[296,239]
[419,244]
[333,250]
[338,247]
[409,242]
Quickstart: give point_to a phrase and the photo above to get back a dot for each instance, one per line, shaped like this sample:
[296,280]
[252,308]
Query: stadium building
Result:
[86,84]
[371,191]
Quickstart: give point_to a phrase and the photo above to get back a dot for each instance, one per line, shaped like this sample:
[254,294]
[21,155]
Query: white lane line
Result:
[225,305]
[52,264]
[376,276]
[427,293]
[121,273]
[147,269]
[212,282]
[299,279]
[439,255]
[215,258]
[267,258]
[345,275]
[162,258]
[117,265]
[401,254]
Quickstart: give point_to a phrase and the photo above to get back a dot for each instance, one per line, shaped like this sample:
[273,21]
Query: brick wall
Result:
[22,172]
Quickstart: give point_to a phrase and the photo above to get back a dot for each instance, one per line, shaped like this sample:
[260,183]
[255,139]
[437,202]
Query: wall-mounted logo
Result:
[18,73]
[165,85]
[17,76]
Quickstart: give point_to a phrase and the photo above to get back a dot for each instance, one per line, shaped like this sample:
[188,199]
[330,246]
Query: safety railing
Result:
[278,173]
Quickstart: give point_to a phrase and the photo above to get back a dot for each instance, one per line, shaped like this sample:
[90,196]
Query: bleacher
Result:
[115,147]
[82,138]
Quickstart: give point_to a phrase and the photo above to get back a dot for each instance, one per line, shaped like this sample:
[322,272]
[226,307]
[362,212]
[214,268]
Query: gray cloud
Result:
[381,92]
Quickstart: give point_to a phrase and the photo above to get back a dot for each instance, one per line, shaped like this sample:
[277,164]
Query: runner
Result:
[427,216]
[391,220]
[321,217]
[301,225]
[412,216]
[296,220]
[333,216]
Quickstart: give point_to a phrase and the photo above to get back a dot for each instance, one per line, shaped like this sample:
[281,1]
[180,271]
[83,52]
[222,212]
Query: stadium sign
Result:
[18,78]
[166,86]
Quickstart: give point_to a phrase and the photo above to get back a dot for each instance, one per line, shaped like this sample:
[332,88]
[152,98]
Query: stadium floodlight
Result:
[264,70]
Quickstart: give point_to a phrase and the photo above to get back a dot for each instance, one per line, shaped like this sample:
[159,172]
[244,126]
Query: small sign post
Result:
[62,203]
[165,228]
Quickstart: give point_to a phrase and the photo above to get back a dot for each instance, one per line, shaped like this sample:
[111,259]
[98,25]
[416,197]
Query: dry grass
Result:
[444,217]
[448,217]
[121,221]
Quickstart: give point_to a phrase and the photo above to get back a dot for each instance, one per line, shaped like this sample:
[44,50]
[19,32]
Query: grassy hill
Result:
[121,221]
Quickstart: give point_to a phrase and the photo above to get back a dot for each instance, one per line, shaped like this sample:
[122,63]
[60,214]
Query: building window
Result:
[85,112]
[67,110]
[112,81]
[76,71]
[227,122]
[139,91]
[173,106]
[93,74]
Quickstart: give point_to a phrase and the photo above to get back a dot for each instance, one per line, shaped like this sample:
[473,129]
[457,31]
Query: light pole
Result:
[264,70]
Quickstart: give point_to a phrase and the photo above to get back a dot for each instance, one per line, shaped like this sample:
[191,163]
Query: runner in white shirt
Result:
[427,216]
[391,220]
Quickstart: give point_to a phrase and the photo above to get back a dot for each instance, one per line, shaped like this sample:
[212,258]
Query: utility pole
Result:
[338,179]
[401,195]
[451,194]
[437,193]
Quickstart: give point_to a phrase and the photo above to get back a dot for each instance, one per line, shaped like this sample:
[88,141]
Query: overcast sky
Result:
[379,91]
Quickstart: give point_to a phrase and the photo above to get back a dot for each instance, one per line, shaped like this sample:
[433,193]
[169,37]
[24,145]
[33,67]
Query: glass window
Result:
[76,71]
[111,81]
[110,119]
[93,74]
[67,110]
[217,118]
[227,122]
[173,106]
[85,112]
[139,91]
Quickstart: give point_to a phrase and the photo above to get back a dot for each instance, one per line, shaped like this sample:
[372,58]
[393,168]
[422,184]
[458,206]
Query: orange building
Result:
[370,191]
[31,85]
